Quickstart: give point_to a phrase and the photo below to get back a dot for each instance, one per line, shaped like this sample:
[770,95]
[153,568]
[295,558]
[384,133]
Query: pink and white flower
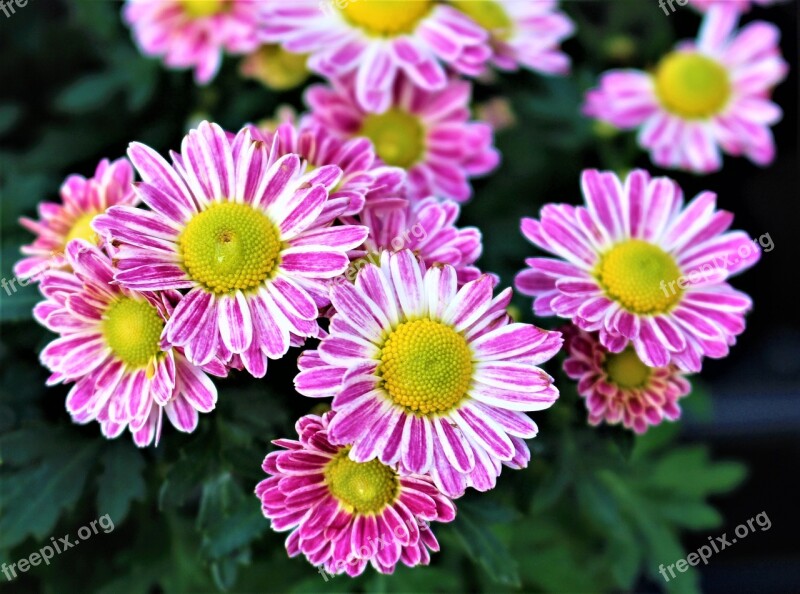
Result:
[706,96]
[429,134]
[619,388]
[58,224]
[637,265]
[344,514]
[740,5]
[429,377]
[194,33]
[374,41]
[524,34]
[238,228]
[110,346]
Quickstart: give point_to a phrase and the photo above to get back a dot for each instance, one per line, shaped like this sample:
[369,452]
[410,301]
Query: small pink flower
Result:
[619,388]
[706,96]
[375,41]
[194,33]
[110,346]
[638,265]
[344,514]
[82,199]
[429,134]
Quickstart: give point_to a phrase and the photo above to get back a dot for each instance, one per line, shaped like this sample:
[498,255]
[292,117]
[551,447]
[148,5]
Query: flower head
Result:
[524,34]
[705,96]
[637,265]
[110,346]
[82,199]
[426,133]
[375,41]
[428,376]
[194,33]
[237,228]
[618,387]
[344,514]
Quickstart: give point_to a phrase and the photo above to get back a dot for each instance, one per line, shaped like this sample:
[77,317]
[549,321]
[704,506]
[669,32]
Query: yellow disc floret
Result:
[386,18]
[691,85]
[626,370]
[488,14]
[82,229]
[640,276]
[198,9]
[230,246]
[398,136]
[361,487]
[426,366]
[132,329]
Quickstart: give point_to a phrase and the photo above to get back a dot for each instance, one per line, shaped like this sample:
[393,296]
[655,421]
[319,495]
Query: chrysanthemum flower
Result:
[344,514]
[110,346]
[427,228]
[376,40]
[740,5]
[522,33]
[194,33]
[82,199]
[238,229]
[426,133]
[637,265]
[363,175]
[619,388]
[705,96]
[428,376]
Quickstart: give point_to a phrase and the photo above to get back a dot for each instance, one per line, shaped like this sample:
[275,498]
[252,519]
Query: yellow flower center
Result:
[276,68]
[132,329]
[626,370]
[198,9]
[640,276]
[426,366]
[691,85]
[398,136]
[386,18]
[82,229]
[230,246]
[363,487]
[488,14]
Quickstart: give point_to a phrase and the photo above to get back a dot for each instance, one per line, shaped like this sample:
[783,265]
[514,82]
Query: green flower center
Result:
[691,85]
[626,370]
[363,487]
[398,136]
[386,18]
[82,229]
[276,68]
[640,276]
[489,15]
[426,366]
[132,329]
[198,9]
[230,246]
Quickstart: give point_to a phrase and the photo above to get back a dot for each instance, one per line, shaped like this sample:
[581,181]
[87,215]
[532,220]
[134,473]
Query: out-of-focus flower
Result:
[427,228]
[110,346]
[374,41]
[58,224]
[636,264]
[430,377]
[276,68]
[740,5]
[428,134]
[497,112]
[194,33]
[238,228]
[345,514]
[618,387]
[705,96]
[524,34]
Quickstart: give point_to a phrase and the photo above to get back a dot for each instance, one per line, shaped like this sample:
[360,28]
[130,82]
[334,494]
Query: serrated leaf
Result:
[121,481]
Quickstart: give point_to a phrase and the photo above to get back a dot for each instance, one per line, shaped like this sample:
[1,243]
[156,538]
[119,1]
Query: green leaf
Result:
[121,482]
[89,93]
[10,114]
